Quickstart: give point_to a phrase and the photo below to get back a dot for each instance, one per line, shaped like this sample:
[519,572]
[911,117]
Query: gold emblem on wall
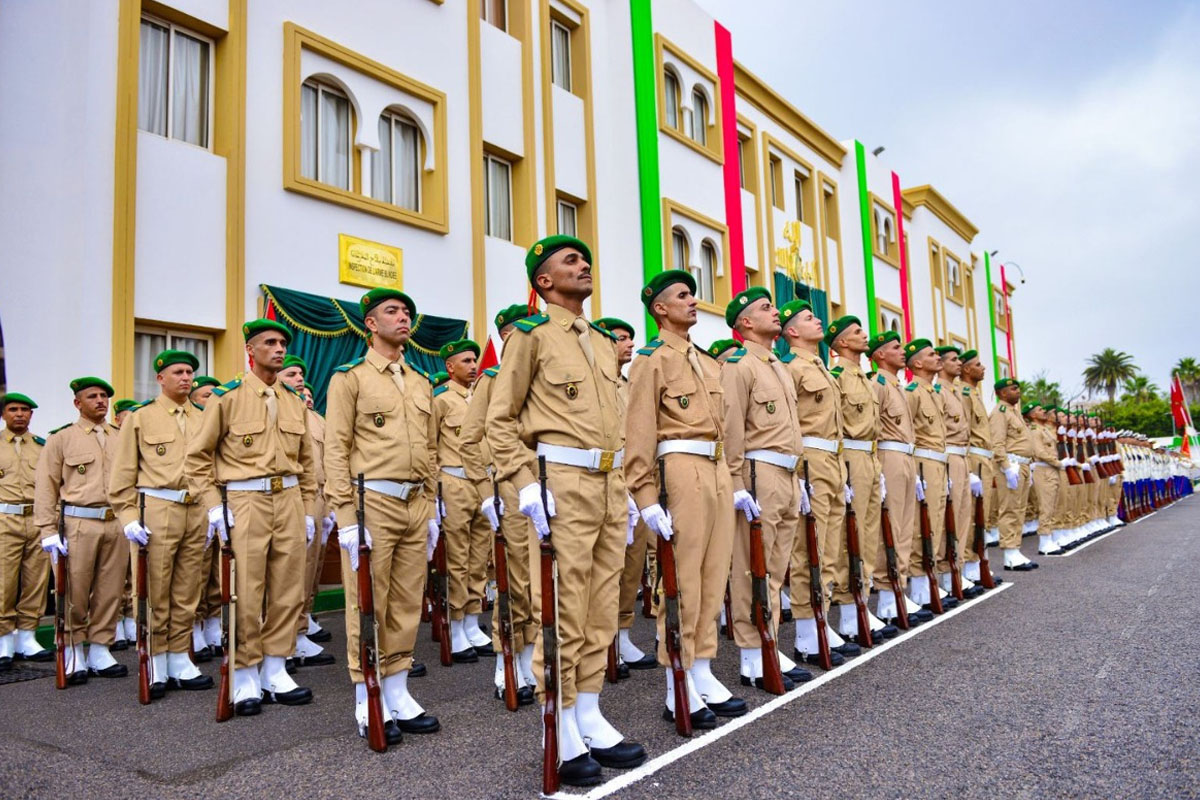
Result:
[789,260]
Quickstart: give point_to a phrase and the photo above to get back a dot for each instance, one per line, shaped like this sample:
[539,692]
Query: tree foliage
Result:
[1107,370]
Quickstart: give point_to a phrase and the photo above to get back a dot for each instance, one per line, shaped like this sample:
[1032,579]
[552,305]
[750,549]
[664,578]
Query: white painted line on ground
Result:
[699,742]
[1088,544]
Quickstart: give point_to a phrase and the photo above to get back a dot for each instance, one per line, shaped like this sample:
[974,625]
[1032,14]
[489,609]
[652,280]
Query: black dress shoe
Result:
[886,632]
[924,615]
[289,666]
[835,658]
[217,650]
[1027,567]
[525,696]
[119,644]
[203,655]
[158,690]
[40,655]
[417,670]
[996,579]
[391,731]
[847,649]
[796,674]
[579,771]
[625,754]
[247,708]
[733,707]
[484,650]
[622,671]
[319,660]
[702,719]
[647,661]
[5,664]
[299,696]
[467,656]
[788,683]
[949,603]
[422,723]
[111,671]
[321,636]
[973,592]
[190,684]
[77,678]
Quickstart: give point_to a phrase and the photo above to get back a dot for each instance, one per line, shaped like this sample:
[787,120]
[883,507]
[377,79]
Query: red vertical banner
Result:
[732,170]
[905,300]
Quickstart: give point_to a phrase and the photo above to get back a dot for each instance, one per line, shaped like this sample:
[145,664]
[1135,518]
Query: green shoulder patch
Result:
[293,391]
[492,372]
[596,327]
[966,391]
[420,372]
[529,323]
[350,365]
[142,404]
[882,381]
[60,428]
[836,371]
[650,347]
[912,387]
[445,387]
[38,440]
[197,406]
[737,356]
[788,358]
[226,388]
[937,388]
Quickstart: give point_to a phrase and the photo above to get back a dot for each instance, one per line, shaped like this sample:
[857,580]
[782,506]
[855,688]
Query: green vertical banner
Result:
[991,301]
[645,98]
[864,209]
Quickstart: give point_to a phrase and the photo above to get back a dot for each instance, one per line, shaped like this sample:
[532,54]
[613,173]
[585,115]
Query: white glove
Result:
[529,502]
[327,526]
[488,509]
[348,541]
[55,545]
[805,504]
[882,488]
[745,503]
[1011,476]
[431,544]
[1062,431]
[659,520]
[1071,433]
[848,492]
[634,516]
[216,524]
[949,485]
[310,529]
[1112,481]
[134,532]
[920,489]
[1086,467]
[976,485]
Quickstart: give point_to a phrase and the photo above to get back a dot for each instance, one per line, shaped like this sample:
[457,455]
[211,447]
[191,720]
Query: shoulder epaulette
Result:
[966,391]
[60,428]
[226,388]
[937,387]
[350,365]
[197,406]
[737,356]
[837,370]
[1000,407]
[293,391]
[421,372]
[912,387]
[142,404]
[882,381]
[529,323]
[441,389]
[787,358]
[650,347]
[609,334]
[492,372]
[38,439]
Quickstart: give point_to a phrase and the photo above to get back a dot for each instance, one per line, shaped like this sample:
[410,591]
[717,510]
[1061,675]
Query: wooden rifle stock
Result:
[760,603]
[729,609]
[816,592]
[647,608]
[673,638]
[893,566]
[368,633]
[985,571]
[61,572]
[1081,452]
[927,565]
[228,616]
[856,572]
[551,666]
[956,588]
[1073,476]
[143,610]
[441,592]
[504,607]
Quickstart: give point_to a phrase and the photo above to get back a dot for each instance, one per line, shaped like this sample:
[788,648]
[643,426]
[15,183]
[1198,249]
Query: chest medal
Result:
[247,440]
[161,449]
[378,420]
[81,469]
[683,401]
[572,391]
[770,406]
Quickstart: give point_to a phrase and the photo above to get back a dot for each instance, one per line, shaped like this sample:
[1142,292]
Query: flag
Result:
[489,358]
[1178,405]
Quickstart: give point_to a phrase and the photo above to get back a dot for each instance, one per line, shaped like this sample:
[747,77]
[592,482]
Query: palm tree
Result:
[1139,389]
[1188,370]
[1042,390]
[1107,370]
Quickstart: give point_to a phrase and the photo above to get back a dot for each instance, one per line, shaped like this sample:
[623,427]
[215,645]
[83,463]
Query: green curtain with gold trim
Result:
[327,332]
[787,290]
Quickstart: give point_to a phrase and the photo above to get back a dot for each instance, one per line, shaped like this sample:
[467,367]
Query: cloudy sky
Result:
[1068,131]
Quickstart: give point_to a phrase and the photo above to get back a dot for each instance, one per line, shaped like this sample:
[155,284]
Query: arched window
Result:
[705,273]
[326,131]
[699,117]
[396,168]
[671,90]
[679,249]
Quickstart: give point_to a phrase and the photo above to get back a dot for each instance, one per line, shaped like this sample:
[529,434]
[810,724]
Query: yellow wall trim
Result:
[721,291]
[941,207]
[125,196]
[754,90]
[478,212]
[714,137]
[229,140]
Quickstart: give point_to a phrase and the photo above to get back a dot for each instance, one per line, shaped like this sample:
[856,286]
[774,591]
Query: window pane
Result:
[708,271]
[799,186]
[499,199]
[408,171]
[308,131]
[679,248]
[334,161]
[195,346]
[699,118]
[566,219]
[494,12]
[560,64]
[671,88]
[152,79]
[145,347]
[381,163]
[189,90]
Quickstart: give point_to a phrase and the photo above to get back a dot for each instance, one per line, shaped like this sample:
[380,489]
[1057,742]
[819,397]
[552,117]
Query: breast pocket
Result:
[817,388]
[247,438]
[8,463]
[157,444]
[290,431]
[565,382]
[452,423]
[766,405]
[79,463]
[375,411]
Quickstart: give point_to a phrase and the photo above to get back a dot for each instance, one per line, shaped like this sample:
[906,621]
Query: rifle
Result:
[228,616]
[552,669]
[856,572]
[760,603]
[956,588]
[893,567]
[647,611]
[927,565]
[504,608]
[368,631]
[673,638]
[441,593]
[143,610]
[1073,476]
[816,592]
[1081,451]
[985,571]
[728,613]
[61,590]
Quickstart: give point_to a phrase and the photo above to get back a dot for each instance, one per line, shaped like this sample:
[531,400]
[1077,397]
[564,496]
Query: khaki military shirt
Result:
[316,429]
[895,418]
[958,427]
[818,397]
[476,452]
[373,428]
[150,451]
[1045,444]
[236,442]
[668,401]
[450,403]
[928,415]
[980,431]
[860,406]
[1009,434]
[17,470]
[74,467]
[548,392]
[760,408]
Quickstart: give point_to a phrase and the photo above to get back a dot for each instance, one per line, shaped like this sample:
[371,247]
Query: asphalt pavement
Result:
[1079,681]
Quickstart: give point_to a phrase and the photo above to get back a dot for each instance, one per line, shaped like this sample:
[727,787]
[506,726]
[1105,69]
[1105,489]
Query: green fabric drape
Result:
[327,332]
[787,290]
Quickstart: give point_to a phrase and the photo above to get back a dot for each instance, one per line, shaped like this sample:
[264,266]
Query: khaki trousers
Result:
[1034,504]
[210,581]
[1113,497]
[99,562]
[469,542]
[827,476]
[631,574]
[778,496]
[269,543]
[399,535]
[1012,507]
[960,496]
[588,535]
[517,532]
[176,551]
[900,475]
[1093,497]
[935,499]
[864,479]
[700,502]
[24,573]
[984,468]
[1078,499]
[314,557]
[1047,480]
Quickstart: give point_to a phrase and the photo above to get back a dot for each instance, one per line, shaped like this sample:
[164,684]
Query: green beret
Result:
[664,279]
[438,378]
[124,404]
[967,355]
[200,381]
[169,358]
[294,361]
[721,345]
[1004,383]
[948,348]
[14,397]
[741,300]
[378,295]
[880,339]
[460,346]
[791,310]
[838,327]
[256,326]
[511,314]
[914,347]
[308,386]
[1025,409]
[612,324]
[543,249]
[79,384]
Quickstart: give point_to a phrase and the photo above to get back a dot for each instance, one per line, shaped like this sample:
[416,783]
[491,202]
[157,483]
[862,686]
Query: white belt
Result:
[457,472]
[694,447]
[270,485]
[932,455]
[817,443]
[173,495]
[20,509]
[104,513]
[858,444]
[979,451]
[398,489]
[899,447]
[1019,459]
[784,460]
[593,460]
[1043,464]
[955,450]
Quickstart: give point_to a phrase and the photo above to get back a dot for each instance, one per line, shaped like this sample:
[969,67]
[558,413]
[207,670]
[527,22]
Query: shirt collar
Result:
[675,341]
[758,351]
[87,425]
[561,316]
[462,391]
[380,362]
[9,435]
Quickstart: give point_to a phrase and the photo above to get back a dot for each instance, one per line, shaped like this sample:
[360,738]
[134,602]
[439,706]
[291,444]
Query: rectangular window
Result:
[174,80]
[744,145]
[775,165]
[497,187]
[494,12]
[830,212]
[706,273]
[671,89]
[560,55]
[568,215]
[396,176]
[953,274]
[149,342]
[325,153]
[800,185]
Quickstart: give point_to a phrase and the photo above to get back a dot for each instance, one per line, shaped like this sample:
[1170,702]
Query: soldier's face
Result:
[890,356]
[267,349]
[624,346]
[951,365]
[92,403]
[567,272]
[853,339]
[200,396]
[808,327]
[308,398]
[677,305]
[391,322]
[176,381]
[760,318]
[16,417]
[462,368]
[1011,394]
[925,360]
[974,370]
[293,376]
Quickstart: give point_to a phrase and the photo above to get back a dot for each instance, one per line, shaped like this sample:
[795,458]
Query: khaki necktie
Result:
[585,339]
[272,405]
[17,445]
[701,386]
[180,418]
[397,375]
[101,436]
